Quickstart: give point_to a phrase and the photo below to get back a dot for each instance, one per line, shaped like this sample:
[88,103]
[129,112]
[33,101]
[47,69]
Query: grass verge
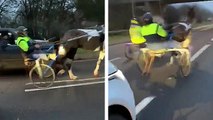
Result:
[118,38]
[86,54]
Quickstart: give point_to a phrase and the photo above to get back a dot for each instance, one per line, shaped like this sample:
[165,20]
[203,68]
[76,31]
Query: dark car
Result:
[10,53]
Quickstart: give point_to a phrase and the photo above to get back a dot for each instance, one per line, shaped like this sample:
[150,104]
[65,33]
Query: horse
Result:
[88,39]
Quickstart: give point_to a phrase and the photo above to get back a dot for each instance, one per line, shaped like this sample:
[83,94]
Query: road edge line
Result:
[63,86]
[199,52]
[140,106]
[114,59]
[78,80]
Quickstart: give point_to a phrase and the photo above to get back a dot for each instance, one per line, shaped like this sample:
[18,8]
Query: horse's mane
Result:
[72,34]
[181,31]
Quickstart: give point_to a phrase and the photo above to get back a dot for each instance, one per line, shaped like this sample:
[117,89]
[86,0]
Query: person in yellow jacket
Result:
[135,33]
[27,45]
[154,33]
[155,36]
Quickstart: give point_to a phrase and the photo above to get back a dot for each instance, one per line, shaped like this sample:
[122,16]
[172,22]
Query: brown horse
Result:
[89,39]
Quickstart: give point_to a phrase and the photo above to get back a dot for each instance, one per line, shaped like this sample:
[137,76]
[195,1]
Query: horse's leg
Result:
[71,75]
[100,58]
[59,69]
[68,62]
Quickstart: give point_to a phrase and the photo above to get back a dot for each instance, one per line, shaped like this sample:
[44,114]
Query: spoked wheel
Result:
[185,66]
[43,76]
[127,51]
[140,61]
[130,50]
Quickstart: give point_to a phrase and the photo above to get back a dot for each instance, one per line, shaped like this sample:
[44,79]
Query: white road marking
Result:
[203,26]
[140,106]
[117,58]
[86,60]
[63,86]
[199,52]
[62,81]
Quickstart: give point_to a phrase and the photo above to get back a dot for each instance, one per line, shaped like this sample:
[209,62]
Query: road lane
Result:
[75,100]
[190,100]
[160,72]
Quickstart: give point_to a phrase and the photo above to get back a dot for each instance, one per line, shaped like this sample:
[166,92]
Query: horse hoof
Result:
[96,74]
[61,72]
[144,73]
[73,77]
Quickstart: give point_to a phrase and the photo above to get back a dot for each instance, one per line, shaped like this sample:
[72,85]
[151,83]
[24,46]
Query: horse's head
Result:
[101,29]
[180,31]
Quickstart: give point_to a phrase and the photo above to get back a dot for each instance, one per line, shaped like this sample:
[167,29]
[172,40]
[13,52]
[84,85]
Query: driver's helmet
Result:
[21,30]
[147,18]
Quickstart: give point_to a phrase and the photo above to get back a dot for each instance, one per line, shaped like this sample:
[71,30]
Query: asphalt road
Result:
[188,98]
[81,99]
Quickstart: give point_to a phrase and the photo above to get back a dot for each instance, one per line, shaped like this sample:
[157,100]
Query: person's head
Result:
[21,31]
[147,18]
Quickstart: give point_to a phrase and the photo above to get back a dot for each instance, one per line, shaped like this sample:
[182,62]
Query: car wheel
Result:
[117,117]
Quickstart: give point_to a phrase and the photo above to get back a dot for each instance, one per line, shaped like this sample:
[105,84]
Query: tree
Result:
[53,17]
[92,9]
[5,9]
[44,17]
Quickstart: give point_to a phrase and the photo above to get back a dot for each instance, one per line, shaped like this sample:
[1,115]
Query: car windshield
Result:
[112,69]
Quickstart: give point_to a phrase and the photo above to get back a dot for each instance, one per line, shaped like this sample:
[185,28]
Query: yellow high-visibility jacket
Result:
[153,29]
[135,34]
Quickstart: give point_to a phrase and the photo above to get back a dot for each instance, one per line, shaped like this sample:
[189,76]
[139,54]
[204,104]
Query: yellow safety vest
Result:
[22,42]
[135,35]
[152,29]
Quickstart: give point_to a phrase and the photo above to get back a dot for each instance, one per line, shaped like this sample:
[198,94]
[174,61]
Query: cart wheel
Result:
[127,51]
[130,50]
[46,78]
[185,66]
[140,61]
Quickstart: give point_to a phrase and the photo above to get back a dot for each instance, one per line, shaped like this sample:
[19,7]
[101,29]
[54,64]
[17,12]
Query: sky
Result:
[207,4]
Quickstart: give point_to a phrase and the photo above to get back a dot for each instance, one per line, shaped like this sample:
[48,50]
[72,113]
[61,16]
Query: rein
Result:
[75,38]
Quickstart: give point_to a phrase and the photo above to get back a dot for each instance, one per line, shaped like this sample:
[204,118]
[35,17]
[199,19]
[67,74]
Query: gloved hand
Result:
[169,36]
[167,27]
[37,46]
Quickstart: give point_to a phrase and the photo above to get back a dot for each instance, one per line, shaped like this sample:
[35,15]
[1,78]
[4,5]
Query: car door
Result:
[10,54]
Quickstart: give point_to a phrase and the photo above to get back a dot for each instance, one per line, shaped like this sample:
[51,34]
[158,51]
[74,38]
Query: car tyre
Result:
[117,117]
